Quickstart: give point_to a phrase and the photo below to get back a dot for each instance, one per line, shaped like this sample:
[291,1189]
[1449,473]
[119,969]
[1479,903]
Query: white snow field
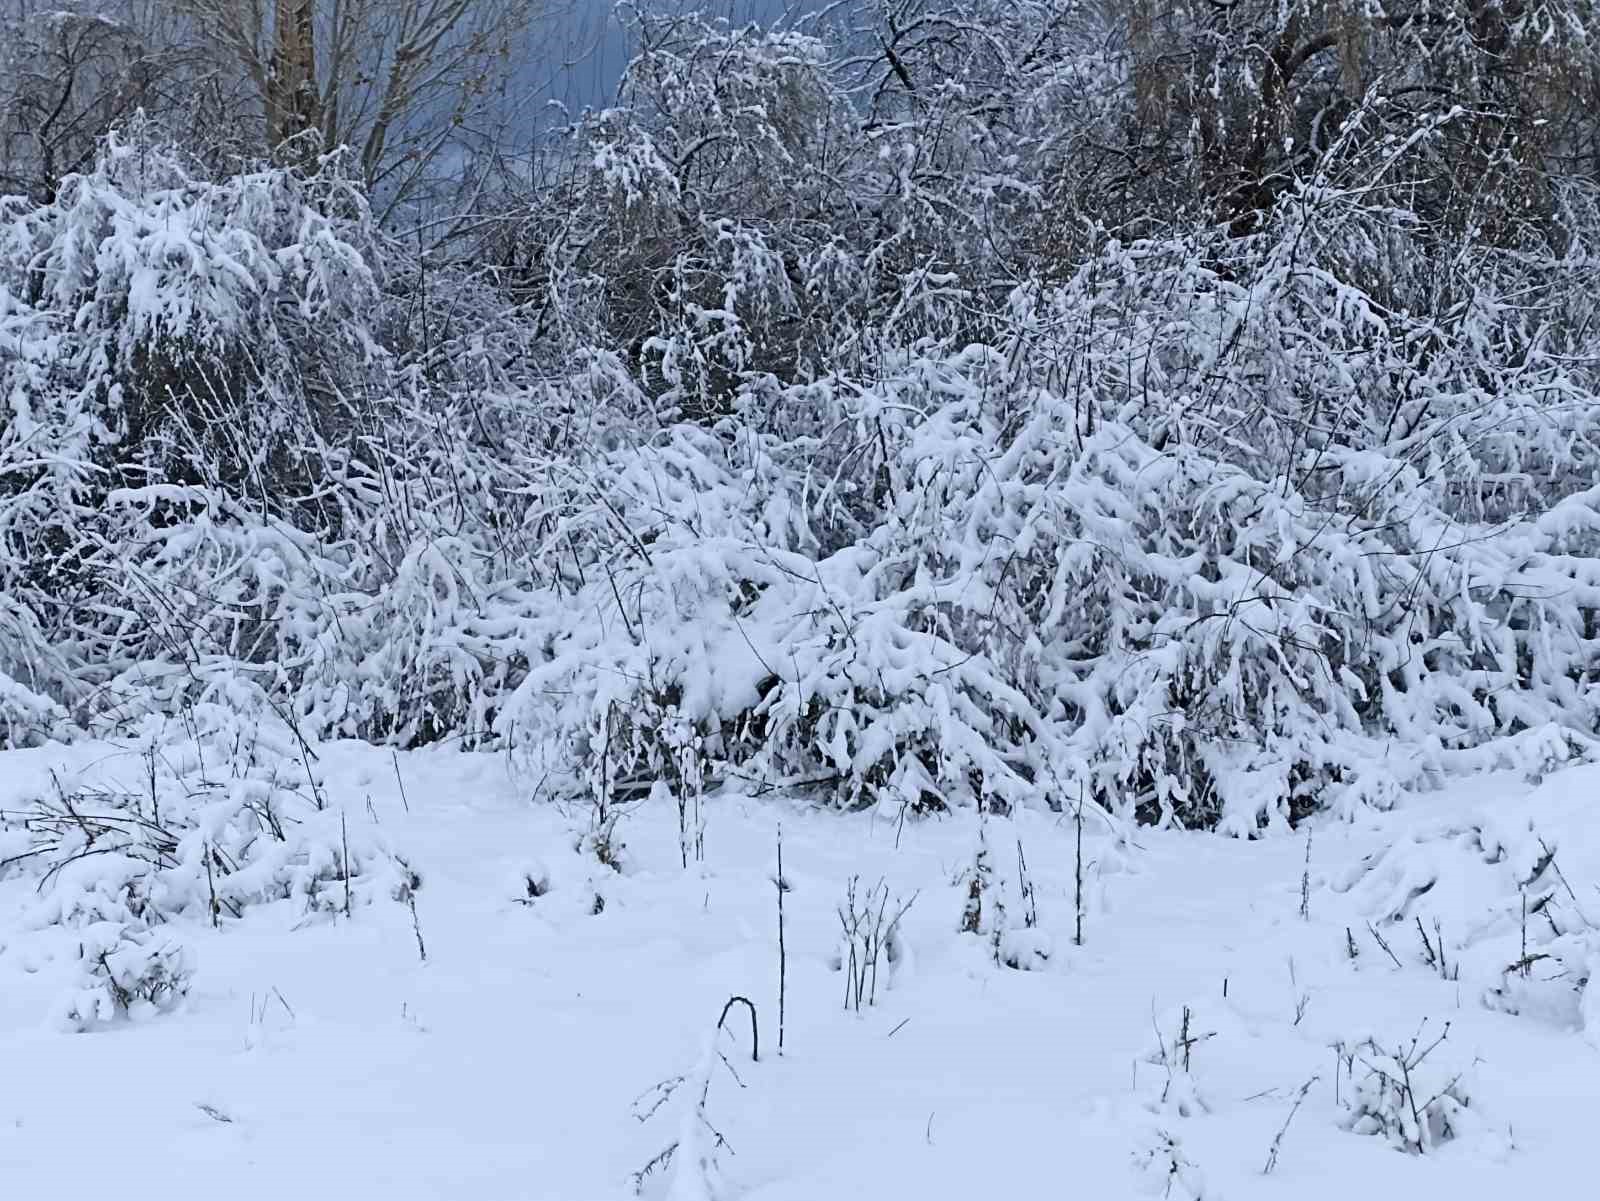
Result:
[285,1047]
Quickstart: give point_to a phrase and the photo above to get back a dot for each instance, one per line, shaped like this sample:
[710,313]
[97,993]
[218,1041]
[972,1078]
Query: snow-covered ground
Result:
[317,1053]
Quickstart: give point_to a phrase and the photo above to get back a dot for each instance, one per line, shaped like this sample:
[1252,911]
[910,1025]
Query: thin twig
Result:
[395,756]
[1277,1141]
[1378,938]
[783,958]
[755,1032]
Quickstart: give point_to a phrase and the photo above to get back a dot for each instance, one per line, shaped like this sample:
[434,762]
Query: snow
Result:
[1155,608]
[1162,1057]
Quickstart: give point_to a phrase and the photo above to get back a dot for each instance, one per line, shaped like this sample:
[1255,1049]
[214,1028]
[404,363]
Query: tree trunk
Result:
[293,101]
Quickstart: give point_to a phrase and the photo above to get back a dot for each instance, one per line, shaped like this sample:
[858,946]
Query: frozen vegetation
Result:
[1110,495]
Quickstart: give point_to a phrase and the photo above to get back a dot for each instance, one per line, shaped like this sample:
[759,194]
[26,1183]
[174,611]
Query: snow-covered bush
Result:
[26,715]
[869,940]
[1557,948]
[1401,1094]
[690,1164]
[127,974]
[1180,1042]
[828,436]
[222,459]
[999,903]
[171,343]
[1165,1170]
[1520,931]
[1013,594]
[230,815]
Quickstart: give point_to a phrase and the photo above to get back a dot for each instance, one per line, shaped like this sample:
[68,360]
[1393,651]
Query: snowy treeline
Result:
[925,402]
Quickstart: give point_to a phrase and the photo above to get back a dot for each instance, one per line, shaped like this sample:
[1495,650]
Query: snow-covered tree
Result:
[923,404]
